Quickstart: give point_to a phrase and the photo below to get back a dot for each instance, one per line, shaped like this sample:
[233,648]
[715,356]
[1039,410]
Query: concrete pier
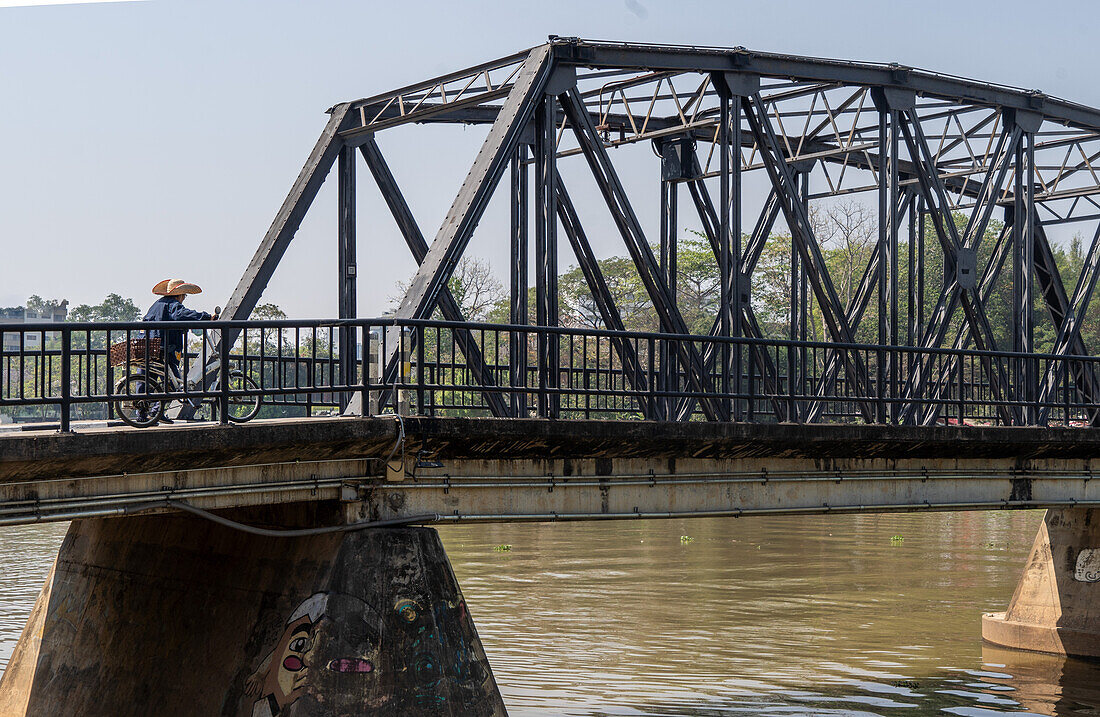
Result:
[174,615]
[1056,607]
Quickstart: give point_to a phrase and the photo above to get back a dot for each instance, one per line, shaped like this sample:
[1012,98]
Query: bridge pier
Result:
[174,615]
[1056,606]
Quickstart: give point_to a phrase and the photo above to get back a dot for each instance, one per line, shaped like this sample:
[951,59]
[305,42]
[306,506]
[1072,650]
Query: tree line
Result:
[847,231]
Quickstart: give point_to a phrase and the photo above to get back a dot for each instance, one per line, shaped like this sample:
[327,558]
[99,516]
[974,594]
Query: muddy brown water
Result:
[826,615]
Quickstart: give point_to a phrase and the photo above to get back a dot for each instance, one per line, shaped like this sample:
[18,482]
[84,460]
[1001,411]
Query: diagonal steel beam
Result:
[769,374]
[282,230]
[1067,316]
[861,299]
[798,221]
[646,263]
[953,294]
[932,405]
[469,205]
[708,218]
[605,302]
[447,304]
[275,242]
[760,233]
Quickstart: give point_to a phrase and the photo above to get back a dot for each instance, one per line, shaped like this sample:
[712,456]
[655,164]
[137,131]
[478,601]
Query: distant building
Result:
[20,315]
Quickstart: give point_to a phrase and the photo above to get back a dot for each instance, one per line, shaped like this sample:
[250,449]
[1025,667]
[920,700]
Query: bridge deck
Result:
[532,469]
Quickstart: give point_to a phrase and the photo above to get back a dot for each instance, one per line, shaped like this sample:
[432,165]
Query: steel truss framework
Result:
[929,147]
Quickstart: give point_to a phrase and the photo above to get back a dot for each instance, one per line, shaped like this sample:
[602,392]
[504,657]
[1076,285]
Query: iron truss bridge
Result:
[942,158]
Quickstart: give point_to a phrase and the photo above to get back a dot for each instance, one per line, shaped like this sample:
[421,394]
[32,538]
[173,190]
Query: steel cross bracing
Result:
[932,153]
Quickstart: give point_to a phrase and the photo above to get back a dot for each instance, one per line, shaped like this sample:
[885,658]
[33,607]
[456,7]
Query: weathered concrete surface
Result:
[182,447]
[179,447]
[534,469]
[1056,607]
[176,616]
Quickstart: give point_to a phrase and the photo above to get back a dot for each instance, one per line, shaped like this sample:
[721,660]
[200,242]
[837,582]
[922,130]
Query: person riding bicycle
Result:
[170,307]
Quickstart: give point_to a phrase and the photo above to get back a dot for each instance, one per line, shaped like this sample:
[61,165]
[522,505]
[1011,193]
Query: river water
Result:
[828,615]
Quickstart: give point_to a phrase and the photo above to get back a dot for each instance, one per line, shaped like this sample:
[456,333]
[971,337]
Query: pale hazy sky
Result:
[29,3]
[141,140]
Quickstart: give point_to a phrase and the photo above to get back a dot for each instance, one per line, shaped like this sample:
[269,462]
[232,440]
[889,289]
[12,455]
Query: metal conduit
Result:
[480,482]
[725,478]
[555,517]
[739,512]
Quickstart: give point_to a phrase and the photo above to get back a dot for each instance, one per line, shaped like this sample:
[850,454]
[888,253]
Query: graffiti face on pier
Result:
[282,675]
[329,639]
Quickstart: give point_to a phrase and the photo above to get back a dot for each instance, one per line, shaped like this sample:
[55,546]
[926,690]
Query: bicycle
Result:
[147,374]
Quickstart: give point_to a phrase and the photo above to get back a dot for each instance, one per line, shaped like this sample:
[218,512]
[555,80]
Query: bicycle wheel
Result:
[243,408]
[131,407]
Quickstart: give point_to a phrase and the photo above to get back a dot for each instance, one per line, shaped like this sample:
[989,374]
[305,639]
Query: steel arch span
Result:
[942,158]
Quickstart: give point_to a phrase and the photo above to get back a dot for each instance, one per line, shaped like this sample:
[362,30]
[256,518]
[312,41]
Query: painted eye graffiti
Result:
[299,644]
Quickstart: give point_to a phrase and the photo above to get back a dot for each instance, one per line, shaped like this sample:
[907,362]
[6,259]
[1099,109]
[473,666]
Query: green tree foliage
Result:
[112,308]
[578,308]
[36,304]
[267,312]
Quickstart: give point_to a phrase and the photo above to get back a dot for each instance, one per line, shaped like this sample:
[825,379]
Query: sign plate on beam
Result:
[966,268]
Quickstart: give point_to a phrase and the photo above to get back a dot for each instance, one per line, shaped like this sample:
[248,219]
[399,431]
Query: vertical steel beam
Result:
[518,275]
[798,370]
[672,158]
[889,102]
[727,285]
[891,304]
[732,88]
[794,314]
[546,255]
[737,285]
[913,297]
[346,269]
[804,296]
[1023,266]
[918,337]
[885,115]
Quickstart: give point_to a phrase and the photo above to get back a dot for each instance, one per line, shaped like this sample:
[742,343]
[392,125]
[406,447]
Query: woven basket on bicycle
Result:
[135,351]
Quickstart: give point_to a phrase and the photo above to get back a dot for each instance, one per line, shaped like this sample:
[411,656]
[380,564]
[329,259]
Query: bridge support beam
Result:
[172,615]
[1055,607]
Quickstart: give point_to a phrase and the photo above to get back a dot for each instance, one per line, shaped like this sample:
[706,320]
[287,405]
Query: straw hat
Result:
[175,287]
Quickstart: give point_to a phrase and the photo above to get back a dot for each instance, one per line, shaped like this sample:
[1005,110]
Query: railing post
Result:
[364,369]
[66,369]
[962,388]
[223,384]
[420,333]
[372,374]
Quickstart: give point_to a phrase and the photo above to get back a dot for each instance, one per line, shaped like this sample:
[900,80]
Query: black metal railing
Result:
[65,371]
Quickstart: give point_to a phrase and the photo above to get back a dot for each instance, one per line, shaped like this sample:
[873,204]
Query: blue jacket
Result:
[170,308]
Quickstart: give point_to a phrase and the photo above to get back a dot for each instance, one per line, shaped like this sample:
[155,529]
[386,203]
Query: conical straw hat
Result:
[175,287]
